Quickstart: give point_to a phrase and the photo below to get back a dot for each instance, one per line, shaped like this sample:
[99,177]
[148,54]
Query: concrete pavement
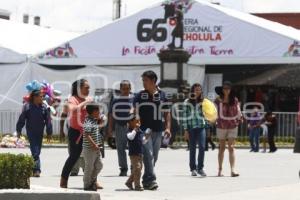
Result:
[263,176]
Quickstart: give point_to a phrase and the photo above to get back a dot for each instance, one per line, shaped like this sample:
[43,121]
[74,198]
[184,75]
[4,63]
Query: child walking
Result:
[36,116]
[135,144]
[92,141]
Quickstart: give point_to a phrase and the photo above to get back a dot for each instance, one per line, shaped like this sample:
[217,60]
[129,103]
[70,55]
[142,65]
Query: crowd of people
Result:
[141,122]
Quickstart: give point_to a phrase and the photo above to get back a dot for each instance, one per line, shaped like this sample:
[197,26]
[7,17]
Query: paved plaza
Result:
[263,176]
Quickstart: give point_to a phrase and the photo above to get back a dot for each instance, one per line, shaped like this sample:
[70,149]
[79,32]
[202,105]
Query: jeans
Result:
[254,139]
[121,142]
[79,164]
[75,151]
[35,140]
[197,136]
[151,149]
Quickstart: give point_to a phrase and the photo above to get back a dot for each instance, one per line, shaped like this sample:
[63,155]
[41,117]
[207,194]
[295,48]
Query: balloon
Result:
[53,111]
[209,111]
[47,89]
[26,98]
[57,92]
[33,85]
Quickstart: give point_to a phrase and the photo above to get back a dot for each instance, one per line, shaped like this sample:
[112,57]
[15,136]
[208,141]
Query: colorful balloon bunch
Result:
[51,96]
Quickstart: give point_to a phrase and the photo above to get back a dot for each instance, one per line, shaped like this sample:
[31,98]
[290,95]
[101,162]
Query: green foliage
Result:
[15,171]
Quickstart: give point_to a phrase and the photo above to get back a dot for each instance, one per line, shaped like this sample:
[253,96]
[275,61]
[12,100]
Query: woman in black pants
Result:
[76,114]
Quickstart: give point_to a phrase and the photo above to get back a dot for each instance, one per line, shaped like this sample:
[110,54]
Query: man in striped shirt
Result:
[92,140]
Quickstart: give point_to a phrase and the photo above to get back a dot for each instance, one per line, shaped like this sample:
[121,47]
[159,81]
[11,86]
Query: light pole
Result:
[116,9]
[174,70]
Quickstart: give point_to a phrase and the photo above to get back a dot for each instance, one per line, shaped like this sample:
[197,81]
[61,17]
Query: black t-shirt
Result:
[151,109]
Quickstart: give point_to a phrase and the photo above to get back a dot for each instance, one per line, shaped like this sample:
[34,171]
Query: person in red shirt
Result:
[77,114]
[229,117]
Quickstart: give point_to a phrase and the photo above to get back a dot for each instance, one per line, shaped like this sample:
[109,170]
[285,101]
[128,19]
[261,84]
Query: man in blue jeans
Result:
[254,122]
[118,117]
[151,105]
[194,124]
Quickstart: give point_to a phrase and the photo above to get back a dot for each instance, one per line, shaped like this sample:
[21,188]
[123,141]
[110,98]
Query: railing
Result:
[285,129]
[8,121]
[286,124]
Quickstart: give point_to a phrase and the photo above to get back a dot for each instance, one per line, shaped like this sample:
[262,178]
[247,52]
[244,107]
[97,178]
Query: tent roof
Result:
[284,76]
[279,28]
[243,39]
[31,39]
[9,56]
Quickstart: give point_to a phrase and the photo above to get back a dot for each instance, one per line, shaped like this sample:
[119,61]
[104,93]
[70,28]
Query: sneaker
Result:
[139,188]
[201,173]
[194,173]
[151,186]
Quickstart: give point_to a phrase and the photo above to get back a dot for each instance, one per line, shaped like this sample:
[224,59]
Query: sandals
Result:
[233,174]
[220,174]
[98,186]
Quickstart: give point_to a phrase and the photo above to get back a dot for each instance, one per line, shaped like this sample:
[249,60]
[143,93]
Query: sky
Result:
[85,15]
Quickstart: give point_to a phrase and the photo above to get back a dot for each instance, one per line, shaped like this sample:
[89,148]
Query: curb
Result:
[45,193]
[48,196]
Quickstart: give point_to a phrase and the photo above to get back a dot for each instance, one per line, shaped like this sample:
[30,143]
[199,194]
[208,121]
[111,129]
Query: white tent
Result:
[213,35]
[17,42]
[129,46]
[11,65]
[9,56]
